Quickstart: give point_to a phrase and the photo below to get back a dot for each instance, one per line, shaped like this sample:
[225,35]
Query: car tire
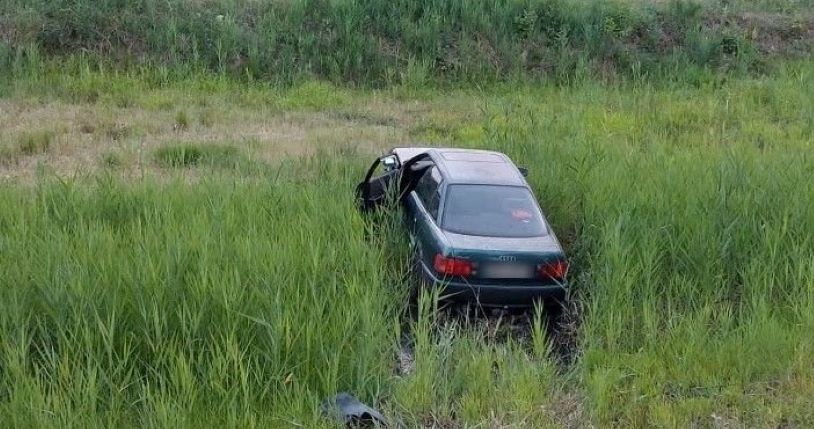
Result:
[554,307]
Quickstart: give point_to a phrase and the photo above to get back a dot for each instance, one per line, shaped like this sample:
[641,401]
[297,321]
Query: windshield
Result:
[492,210]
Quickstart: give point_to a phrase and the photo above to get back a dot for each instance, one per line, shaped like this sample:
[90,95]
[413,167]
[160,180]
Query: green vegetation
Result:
[185,155]
[35,142]
[686,211]
[111,160]
[381,42]
[179,246]
[182,120]
[167,305]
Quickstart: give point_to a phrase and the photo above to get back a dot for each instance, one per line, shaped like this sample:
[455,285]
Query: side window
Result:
[428,191]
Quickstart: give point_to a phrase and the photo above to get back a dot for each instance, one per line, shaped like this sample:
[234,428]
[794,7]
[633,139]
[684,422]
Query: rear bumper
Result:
[492,295]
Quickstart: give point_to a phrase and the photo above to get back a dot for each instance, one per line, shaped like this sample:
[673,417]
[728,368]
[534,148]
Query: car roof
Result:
[473,166]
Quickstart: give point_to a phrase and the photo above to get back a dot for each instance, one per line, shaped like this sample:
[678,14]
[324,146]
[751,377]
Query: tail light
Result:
[452,266]
[554,270]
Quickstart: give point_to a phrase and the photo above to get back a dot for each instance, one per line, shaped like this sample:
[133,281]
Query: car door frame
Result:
[426,237]
[365,200]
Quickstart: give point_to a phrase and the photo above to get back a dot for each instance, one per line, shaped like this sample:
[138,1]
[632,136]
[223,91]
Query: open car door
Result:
[374,189]
[389,180]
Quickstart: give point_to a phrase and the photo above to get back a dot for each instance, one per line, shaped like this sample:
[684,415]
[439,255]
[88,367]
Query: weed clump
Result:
[35,142]
[117,131]
[8,155]
[207,118]
[181,120]
[112,160]
[191,155]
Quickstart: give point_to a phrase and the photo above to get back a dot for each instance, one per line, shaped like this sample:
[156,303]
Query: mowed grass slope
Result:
[246,295]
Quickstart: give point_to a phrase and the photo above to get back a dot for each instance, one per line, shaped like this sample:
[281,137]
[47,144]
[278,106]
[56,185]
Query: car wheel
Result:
[553,308]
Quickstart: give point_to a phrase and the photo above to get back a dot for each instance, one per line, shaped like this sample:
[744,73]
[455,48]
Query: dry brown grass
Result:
[86,137]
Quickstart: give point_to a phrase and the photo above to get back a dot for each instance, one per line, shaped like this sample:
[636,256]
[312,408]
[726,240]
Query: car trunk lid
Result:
[507,260]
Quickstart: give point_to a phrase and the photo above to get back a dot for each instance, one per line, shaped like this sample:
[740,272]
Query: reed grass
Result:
[245,297]
[378,43]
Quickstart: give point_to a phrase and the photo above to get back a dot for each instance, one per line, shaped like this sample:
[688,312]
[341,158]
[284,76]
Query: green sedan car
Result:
[475,228]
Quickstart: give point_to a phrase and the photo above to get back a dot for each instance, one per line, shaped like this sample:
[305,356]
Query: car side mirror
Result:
[524,171]
[390,162]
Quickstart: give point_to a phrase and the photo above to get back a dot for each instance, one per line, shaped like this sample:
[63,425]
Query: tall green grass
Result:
[689,215]
[162,305]
[385,42]
[686,212]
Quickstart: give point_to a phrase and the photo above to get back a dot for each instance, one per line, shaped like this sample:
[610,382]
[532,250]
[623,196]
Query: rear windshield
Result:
[492,210]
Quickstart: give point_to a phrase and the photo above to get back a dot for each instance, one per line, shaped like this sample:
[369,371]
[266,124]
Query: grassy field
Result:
[378,43]
[187,253]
